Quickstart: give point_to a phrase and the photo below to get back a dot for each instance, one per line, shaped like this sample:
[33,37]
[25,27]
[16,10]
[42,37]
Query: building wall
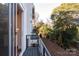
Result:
[26,23]
[26,26]
[23,34]
[29,18]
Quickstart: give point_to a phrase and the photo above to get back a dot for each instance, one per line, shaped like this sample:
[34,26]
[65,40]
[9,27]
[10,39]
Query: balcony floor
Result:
[31,51]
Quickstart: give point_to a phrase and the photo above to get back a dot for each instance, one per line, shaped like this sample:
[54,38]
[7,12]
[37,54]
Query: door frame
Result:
[21,9]
[11,43]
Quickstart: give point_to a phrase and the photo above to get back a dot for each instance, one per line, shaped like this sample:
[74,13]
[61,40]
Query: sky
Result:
[45,9]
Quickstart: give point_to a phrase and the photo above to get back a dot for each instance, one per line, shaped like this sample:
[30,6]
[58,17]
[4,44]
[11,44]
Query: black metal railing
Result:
[31,37]
[39,42]
[45,50]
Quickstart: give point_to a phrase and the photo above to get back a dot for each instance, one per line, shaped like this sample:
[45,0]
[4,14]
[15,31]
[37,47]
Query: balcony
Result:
[35,47]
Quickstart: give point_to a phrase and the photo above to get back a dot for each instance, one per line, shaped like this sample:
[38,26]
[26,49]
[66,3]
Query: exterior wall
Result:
[29,18]
[29,21]
[26,23]
[23,34]
[35,20]
[26,26]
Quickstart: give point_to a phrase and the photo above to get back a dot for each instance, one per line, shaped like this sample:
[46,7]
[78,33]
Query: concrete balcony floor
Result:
[31,51]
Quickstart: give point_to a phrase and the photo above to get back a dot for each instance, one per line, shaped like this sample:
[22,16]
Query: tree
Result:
[67,7]
[44,30]
[37,26]
[64,31]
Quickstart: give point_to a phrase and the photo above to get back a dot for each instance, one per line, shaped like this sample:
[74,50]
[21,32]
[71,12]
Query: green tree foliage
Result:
[36,27]
[42,29]
[64,30]
[67,7]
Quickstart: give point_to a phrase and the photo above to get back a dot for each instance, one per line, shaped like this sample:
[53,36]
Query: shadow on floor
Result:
[31,51]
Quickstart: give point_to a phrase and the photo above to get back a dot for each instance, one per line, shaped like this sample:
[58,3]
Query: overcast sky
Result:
[45,9]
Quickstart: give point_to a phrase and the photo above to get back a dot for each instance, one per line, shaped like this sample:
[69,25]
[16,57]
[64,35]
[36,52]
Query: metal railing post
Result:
[43,51]
[26,42]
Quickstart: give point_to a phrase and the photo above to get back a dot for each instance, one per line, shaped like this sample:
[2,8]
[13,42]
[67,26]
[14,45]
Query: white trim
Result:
[21,5]
[22,8]
[13,29]
[10,29]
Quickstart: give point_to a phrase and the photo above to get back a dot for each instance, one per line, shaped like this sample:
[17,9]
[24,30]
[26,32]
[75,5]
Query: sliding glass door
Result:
[4,37]
[10,21]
